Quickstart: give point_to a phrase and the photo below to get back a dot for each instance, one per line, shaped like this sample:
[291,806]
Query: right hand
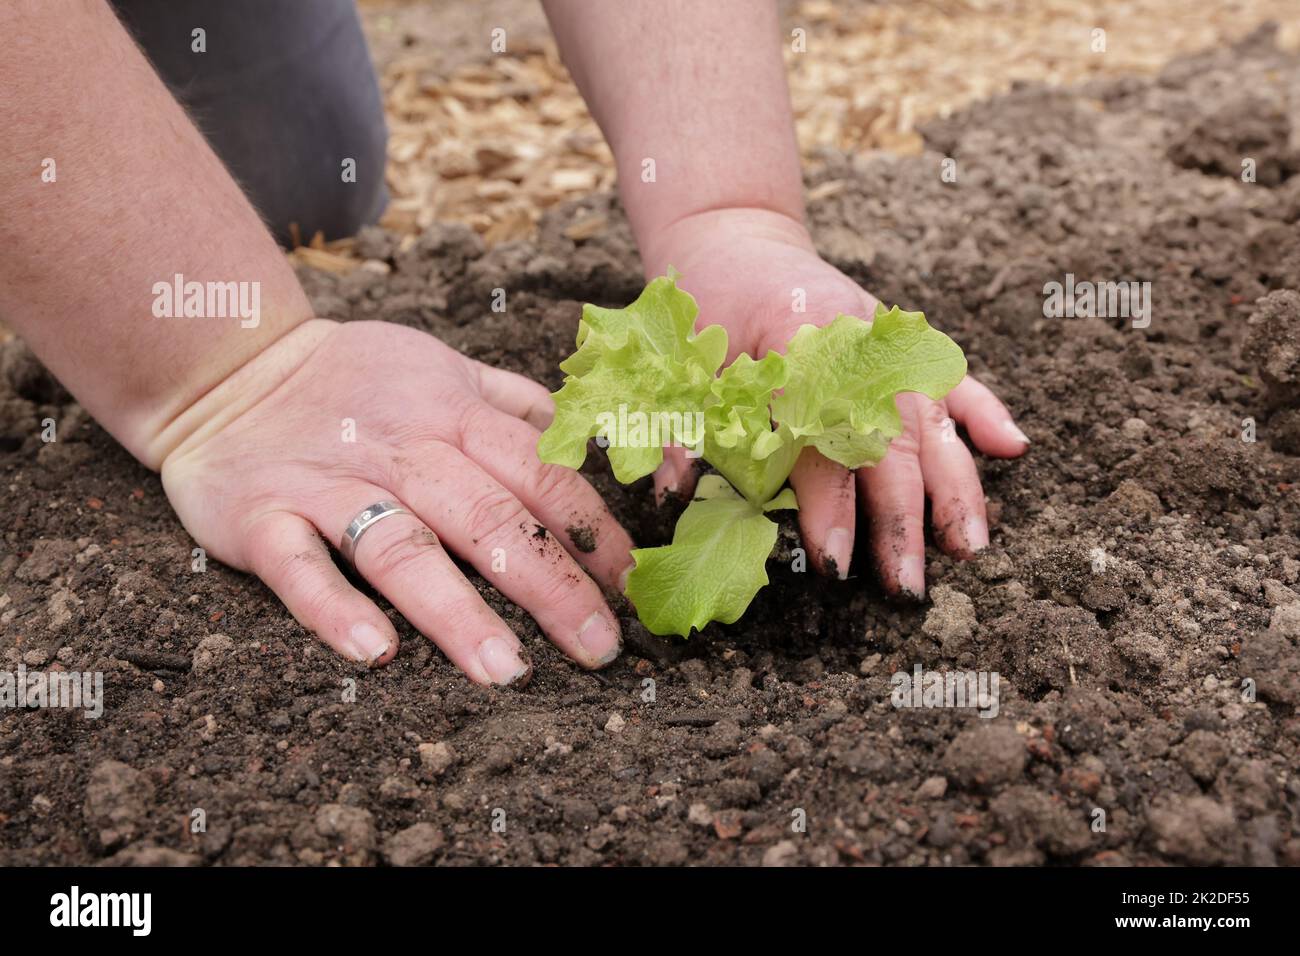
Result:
[452,440]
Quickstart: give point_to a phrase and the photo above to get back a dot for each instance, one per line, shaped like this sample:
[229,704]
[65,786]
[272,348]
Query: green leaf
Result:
[739,440]
[713,568]
[641,376]
[843,378]
[785,501]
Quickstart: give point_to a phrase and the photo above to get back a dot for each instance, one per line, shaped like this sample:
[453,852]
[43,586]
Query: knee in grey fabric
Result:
[285,93]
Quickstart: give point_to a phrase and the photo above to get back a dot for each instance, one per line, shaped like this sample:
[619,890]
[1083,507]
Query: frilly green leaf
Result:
[843,379]
[641,373]
[713,568]
[739,438]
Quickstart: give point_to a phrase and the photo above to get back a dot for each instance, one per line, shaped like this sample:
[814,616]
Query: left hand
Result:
[745,268]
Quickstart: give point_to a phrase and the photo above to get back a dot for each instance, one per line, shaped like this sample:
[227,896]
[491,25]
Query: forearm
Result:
[137,198]
[700,90]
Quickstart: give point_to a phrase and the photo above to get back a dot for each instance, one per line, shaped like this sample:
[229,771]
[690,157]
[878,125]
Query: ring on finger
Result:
[366,519]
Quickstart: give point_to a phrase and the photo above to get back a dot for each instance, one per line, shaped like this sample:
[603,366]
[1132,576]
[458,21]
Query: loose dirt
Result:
[1138,602]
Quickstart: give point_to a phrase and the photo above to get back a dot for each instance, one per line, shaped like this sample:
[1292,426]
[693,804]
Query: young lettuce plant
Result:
[646,365]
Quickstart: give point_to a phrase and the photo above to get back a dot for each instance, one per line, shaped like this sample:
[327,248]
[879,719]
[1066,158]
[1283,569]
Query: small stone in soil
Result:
[414,846]
[988,754]
[436,758]
[784,853]
[932,788]
[727,825]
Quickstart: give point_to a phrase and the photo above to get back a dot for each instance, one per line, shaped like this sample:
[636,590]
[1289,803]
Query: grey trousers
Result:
[286,95]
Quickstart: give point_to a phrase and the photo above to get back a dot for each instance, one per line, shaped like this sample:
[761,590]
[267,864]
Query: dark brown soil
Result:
[1144,562]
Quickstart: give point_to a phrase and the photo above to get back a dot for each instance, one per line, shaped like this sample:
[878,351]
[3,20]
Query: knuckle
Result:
[306,563]
[906,445]
[493,514]
[887,496]
[968,489]
[474,419]
[394,553]
[553,487]
[933,415]
[324,601]
[463,620]
[306,577]
[559,586]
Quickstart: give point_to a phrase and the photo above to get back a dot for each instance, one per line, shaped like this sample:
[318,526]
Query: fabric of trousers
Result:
[286,94]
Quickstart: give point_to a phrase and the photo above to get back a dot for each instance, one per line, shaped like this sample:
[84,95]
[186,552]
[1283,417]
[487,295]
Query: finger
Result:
[516,395]
[485,524]
[893,493]
[288,554]
[676,476]
[986,420]
[953,484]
[826,516]
[406,563]
[562,500]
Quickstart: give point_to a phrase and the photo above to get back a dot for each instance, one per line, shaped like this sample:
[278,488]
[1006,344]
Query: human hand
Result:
[745,268]
[450,439]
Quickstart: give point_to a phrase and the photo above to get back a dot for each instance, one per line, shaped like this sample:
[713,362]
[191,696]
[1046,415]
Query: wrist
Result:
[684,239]
[250,381]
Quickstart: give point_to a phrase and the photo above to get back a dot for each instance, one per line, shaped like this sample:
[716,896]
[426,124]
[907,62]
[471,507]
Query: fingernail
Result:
[368,643]
[622,578]
[911,576]
[1015,431]
[977,533]
[839,551]
[599,638]
[666,492]
[500,658]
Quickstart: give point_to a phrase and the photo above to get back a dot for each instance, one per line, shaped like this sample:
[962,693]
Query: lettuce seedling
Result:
[643,377]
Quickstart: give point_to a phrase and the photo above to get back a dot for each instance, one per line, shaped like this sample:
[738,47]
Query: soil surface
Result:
[1138,602]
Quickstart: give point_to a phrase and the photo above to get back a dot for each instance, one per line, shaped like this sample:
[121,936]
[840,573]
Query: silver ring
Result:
[367,518]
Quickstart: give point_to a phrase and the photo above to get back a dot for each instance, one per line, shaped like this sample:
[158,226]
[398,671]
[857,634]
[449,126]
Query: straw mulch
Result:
[493,140]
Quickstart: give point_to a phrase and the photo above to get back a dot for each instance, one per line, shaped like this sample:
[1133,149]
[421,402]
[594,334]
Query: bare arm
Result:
[137,197]
[700,89]
[244,422]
